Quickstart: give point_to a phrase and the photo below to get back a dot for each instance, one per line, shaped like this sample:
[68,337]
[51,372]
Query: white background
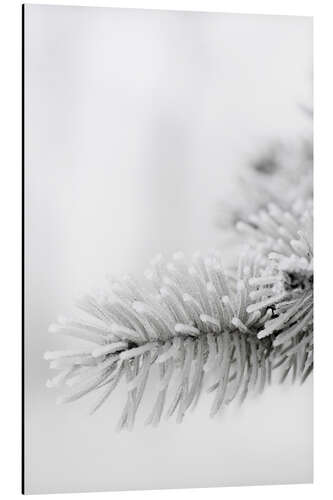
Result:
[10,208]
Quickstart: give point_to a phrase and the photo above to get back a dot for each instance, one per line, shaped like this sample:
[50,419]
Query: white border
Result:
[10,210]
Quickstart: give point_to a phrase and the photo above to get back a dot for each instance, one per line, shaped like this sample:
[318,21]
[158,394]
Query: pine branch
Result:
[280,174]
[200,324]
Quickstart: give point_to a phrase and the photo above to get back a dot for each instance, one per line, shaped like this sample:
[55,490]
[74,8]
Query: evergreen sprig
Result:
[202,326]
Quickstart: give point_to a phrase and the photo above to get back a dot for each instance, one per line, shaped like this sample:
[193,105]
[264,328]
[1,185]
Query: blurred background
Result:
[137,124]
